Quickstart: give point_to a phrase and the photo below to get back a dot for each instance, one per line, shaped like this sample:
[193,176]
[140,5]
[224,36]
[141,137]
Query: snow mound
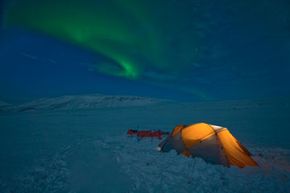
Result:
[85,102]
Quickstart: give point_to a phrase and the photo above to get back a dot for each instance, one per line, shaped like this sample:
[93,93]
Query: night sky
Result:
[186,50]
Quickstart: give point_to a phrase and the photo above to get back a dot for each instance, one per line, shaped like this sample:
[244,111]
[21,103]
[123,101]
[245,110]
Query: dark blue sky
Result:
[244,52]
[35,66]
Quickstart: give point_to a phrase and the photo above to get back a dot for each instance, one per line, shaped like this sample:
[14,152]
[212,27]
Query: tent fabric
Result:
[173,141]
[234,151]
[212,143]
[210,151]
[195,133]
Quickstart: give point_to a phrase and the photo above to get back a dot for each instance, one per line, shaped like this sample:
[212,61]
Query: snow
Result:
[87,150]
[84,102]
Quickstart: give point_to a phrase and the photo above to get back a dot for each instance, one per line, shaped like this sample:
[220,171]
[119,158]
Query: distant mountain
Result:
[281,102]
[85,102]
[97,101]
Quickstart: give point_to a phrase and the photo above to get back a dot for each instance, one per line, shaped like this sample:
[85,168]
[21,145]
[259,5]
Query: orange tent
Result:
[212,143]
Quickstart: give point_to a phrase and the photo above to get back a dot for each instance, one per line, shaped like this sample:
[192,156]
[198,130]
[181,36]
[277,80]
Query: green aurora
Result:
[132,34]
[199,48]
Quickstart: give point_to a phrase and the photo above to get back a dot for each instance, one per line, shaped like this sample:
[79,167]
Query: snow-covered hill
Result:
[282,102]
[85,102]
[97,101]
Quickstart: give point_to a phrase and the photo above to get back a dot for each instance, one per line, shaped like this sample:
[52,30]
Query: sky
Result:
[195,50]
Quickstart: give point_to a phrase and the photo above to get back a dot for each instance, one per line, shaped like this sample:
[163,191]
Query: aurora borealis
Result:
[113,29]
[204,49]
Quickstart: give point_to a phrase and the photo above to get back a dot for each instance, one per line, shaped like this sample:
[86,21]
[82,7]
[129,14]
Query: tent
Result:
[212,143]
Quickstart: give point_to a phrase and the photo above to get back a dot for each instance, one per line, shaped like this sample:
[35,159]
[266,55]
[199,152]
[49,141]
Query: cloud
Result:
[29,56]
